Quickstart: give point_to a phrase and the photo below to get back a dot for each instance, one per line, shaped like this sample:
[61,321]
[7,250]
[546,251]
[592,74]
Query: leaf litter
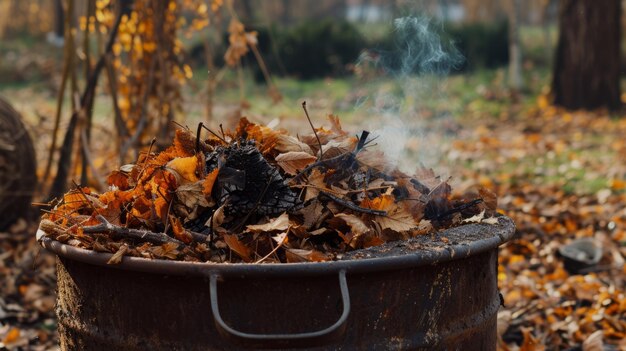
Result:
[256,194]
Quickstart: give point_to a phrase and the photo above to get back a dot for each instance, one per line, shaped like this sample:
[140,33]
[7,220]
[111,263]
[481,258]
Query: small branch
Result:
[145,235]
[459,208]
[314,131]
[280,244]
[214,134]
[198,134]
[352,206]
[199,237]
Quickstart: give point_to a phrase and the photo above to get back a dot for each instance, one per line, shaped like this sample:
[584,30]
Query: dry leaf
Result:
[179,232]
[209,182]
[118,255]
[357,226]
[476,218]
[312,214]
[490,220]
[424,227]
[300,255]
[594,342]
[397,219]
[167,250]
[216,219]
[490,199]
[280,223]
[281,238]
[191,195]
[294,161]
[184,168]
[12,336]
[286,143]
[238,247]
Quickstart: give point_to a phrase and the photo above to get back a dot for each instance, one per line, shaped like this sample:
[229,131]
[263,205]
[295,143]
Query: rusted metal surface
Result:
[421,294]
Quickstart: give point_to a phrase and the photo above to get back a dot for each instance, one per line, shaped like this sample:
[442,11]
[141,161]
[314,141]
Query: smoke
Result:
[419,49]
[417,63]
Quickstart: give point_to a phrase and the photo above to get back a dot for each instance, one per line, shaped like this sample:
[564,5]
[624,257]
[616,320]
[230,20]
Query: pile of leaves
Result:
[257,194]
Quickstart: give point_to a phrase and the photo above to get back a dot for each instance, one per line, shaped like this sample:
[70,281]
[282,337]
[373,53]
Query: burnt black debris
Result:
[247,183]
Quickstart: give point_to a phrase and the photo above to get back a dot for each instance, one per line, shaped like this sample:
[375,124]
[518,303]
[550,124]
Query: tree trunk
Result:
[515,48]
[586,68]
[59,21]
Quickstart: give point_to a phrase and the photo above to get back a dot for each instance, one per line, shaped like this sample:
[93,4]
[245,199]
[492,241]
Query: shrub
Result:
[312,49]
[484,45]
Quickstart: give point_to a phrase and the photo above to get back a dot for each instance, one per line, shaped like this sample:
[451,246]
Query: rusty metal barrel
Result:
[433,292]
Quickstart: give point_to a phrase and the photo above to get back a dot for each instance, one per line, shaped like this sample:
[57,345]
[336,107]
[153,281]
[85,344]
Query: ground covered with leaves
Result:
[559,175]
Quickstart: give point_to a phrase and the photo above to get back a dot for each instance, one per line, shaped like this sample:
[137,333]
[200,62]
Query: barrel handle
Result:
[319,337]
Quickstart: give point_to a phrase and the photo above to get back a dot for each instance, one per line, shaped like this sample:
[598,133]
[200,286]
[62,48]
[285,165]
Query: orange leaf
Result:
[73,201]
[530,343]
[382,202]
[118,179]
[179,232]
[238,247]
[209,181]
[161,207]
[184,143]
[12,336]
[185,167]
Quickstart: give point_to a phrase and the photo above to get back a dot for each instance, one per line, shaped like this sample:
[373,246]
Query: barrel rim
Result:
[496,235]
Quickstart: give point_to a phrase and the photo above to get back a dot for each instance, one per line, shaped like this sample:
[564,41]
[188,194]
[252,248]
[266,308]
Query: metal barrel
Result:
[416,295]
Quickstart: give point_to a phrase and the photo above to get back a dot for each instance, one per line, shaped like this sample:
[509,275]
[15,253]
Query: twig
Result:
[280,244]
[314,131]
[459,208]
[95,210]
[198,134]
[352,206]
[215,134]
[106,226]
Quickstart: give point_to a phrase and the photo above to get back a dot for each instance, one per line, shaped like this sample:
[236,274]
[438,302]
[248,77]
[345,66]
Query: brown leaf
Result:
[286,143]
[530,343]
[357,226]
[316,182]
[168,250]
[490,200]
[280,223]
[335,125]
[397,219]
[238,247]
[338,147]
[299,255]
[312,214]
[118,179]
[294,161]
[191,195]
[117,256]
